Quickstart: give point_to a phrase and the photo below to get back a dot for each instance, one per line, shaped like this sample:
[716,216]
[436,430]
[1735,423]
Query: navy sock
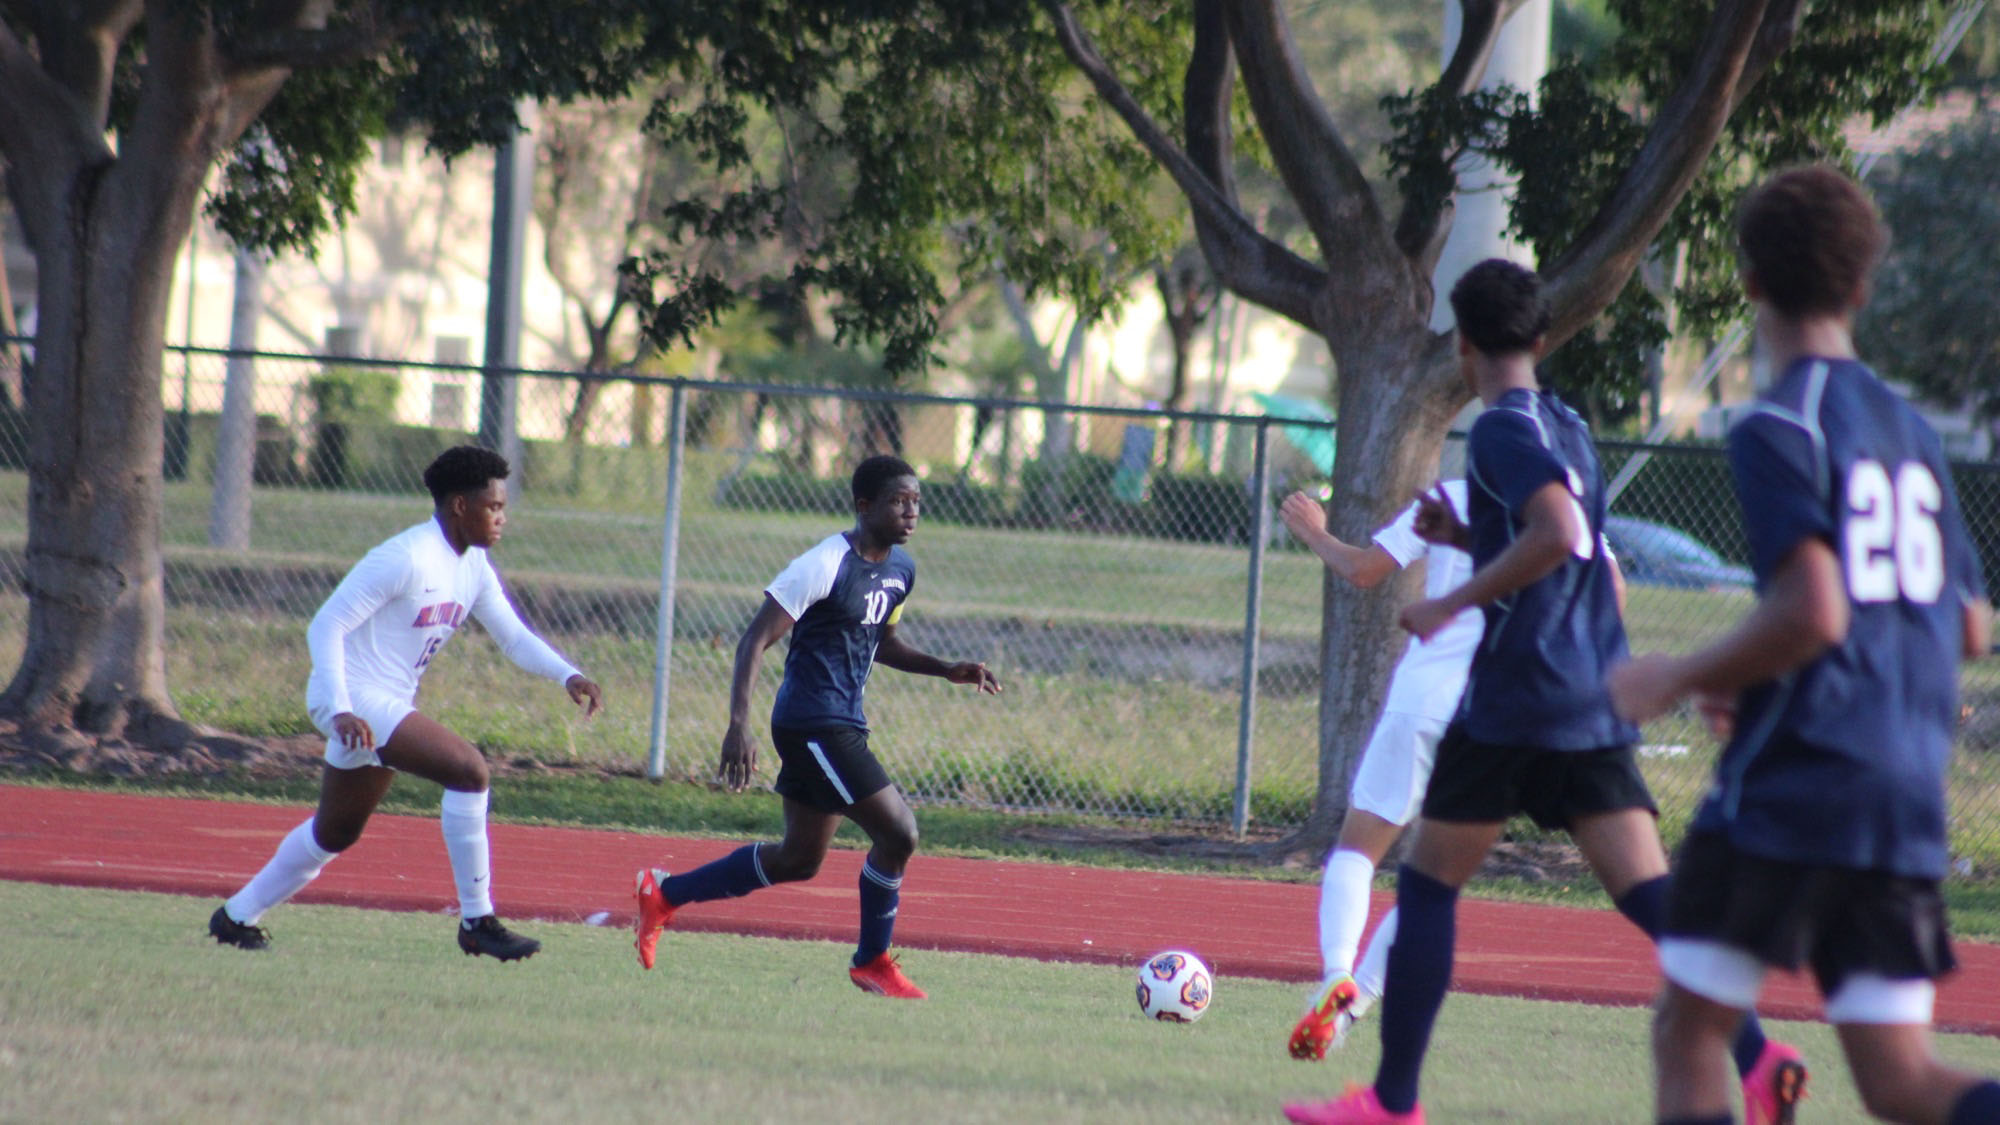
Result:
[1980,1105]
[732,876]
[1646,906]
[1413,991]
[879,895]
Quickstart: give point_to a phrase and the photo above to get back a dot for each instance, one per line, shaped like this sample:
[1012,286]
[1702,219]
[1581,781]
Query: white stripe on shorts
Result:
[826,767]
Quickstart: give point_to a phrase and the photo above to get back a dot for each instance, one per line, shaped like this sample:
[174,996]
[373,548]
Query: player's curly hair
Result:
[1500,307]
[1810,236]
[874,474]
[462,469]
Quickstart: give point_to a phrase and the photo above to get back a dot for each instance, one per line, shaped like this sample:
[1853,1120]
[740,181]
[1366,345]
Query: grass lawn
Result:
[115,1006]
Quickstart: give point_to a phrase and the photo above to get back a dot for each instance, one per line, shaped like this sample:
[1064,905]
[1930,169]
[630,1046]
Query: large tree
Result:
[949,152]
[113,116]
[1688,99]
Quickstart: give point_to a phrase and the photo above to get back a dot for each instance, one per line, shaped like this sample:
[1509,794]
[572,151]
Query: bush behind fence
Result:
[1108,593]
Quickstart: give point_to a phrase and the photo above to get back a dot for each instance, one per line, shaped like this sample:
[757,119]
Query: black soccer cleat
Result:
[229,931]
[487,936]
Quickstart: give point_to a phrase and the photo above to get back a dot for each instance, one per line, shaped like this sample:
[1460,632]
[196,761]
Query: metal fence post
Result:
[656,757]
[1260,524]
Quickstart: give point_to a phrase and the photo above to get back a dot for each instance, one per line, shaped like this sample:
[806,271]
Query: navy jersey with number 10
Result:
[1842,762]
[839,603]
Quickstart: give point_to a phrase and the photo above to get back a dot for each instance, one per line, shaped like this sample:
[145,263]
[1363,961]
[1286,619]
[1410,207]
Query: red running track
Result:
[1242,927]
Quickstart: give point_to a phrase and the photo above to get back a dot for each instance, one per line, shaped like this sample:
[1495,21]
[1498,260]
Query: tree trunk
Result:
[95,656]
[1397,399]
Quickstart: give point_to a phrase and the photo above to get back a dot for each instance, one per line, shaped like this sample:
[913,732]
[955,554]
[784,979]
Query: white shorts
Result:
[380,711]
[1733,977]
[1396,766]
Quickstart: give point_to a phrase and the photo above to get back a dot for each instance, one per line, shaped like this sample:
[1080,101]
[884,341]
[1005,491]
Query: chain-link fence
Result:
[1110,595]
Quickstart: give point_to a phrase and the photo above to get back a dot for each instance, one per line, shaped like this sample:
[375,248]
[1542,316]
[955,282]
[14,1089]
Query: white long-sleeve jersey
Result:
[397,607]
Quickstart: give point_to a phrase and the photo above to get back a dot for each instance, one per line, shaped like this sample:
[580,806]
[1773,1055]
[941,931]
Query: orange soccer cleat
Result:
[884,977]
[1327,1018]
[655,915]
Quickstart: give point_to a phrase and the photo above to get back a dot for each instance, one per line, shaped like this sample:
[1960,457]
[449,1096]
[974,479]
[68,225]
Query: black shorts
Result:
[1839,920]
[1478,783]
[828,768]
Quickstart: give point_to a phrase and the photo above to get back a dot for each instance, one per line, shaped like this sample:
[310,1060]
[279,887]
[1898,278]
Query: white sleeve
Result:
[380,576]
[807,579]
[529,652]
[1401,540]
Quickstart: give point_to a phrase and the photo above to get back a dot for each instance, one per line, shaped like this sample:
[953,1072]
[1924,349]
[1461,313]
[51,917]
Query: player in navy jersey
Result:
[1534,731]
[1822,841]
[840,601]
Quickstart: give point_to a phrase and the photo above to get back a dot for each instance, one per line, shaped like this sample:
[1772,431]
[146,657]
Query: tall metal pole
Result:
[1253,613]
[663,641]
[513,191]
[236,441]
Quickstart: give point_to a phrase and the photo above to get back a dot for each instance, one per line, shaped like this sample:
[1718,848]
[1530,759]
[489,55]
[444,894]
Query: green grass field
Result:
[116,1006]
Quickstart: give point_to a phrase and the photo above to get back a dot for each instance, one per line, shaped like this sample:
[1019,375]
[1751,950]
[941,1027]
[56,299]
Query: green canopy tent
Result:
[1316,442]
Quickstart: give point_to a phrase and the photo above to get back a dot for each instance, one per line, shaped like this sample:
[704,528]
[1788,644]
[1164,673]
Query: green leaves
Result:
[1571,145]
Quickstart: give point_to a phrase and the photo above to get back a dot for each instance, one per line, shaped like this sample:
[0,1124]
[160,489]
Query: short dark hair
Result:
[874,474]
[1810,236]
[1500,307]
[461,469]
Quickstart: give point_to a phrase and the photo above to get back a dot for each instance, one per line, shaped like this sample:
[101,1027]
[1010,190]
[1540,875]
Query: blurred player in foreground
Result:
[840,601]
[1823,841]
[1535,732]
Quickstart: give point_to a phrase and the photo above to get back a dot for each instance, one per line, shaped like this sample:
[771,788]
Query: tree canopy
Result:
[1934,319]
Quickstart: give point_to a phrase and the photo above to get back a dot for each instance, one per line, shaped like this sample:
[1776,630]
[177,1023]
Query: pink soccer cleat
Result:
[1358,1106]
[1774,1087]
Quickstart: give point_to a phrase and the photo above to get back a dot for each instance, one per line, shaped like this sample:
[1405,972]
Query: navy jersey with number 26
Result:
[839,603]
[1842,762]
[1537,680]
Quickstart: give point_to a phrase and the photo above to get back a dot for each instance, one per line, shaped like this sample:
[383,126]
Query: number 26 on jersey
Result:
[1893,546]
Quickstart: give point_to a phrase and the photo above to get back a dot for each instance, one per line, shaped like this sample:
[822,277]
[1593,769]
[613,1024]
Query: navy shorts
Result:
[1839,920]
[1477,783]
[828,768]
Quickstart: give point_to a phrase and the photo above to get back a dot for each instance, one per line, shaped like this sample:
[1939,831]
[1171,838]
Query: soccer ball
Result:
[1175,986]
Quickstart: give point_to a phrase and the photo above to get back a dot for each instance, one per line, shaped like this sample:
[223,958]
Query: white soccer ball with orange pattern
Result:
[1175,986]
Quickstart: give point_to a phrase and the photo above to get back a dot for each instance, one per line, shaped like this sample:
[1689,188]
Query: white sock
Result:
[298,859]
[1343,908]
[463,820]
[1374,971]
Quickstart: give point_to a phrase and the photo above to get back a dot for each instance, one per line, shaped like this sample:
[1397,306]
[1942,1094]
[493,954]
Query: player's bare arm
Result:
[1803,613]
[738,763]
[1552,525]
[892,652]
[1365,567]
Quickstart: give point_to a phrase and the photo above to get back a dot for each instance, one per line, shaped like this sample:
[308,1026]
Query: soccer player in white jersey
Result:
[370,644]
[1396,765]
